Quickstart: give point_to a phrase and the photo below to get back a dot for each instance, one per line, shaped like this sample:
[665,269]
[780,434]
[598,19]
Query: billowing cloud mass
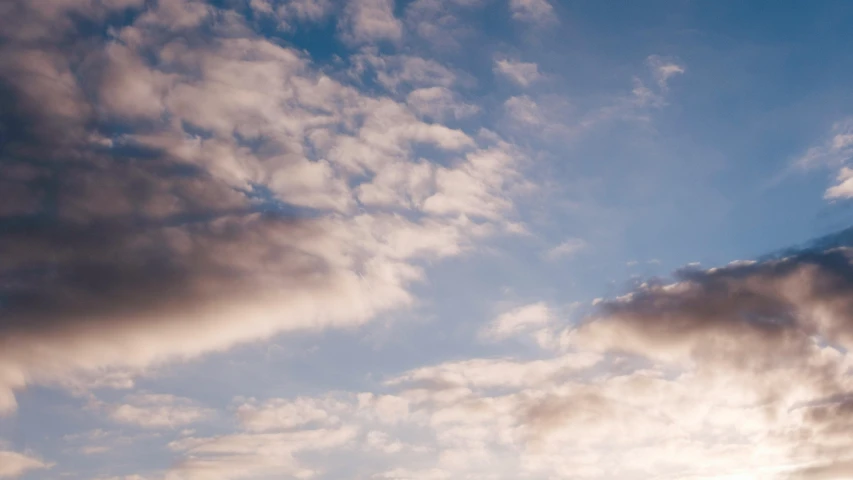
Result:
[184,173]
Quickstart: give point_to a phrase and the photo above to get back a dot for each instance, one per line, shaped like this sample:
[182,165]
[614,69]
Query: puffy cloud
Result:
[243,183]
[368,21]
[521,73]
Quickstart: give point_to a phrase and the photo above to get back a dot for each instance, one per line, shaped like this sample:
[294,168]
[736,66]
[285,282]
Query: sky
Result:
[426,240]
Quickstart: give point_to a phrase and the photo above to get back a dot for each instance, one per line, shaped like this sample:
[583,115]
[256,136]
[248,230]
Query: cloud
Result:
[826,471]
[567,248]
[739,371]
[844,189]
[489,374]
[291,12]
[834,153]
[538,12]
[519,320]
[244,182]
[441,22]
[524,110]
[406,474]
[521,73]
[14,464]
[158,411]
[396,71]
[368,21]
[439,103]
[663,69]
[241,455]
[705,369]
[558,118]
[279,414]
[836,150]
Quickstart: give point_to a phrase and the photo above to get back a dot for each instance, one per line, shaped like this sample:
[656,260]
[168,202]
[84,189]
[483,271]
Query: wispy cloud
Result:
[518,320]
[567,248]
[834,152]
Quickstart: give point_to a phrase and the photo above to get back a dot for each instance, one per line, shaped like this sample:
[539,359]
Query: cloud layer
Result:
[184,185]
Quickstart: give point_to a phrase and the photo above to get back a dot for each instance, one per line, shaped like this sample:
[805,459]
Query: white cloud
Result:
[282,414]
[158,411]
[539,12]
[317,144]
[14,464]
[521,73]
[844,189]
[524,110]
[712,377]
[568,248]
[407,474]
[519,320]
[663,69]
[835,152]
[368,21]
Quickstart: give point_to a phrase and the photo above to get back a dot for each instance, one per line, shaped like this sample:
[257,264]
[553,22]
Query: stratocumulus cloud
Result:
[740,370]
[378,239]
[228,193]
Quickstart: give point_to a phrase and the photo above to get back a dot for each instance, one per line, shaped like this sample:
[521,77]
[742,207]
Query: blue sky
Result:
[429,239]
